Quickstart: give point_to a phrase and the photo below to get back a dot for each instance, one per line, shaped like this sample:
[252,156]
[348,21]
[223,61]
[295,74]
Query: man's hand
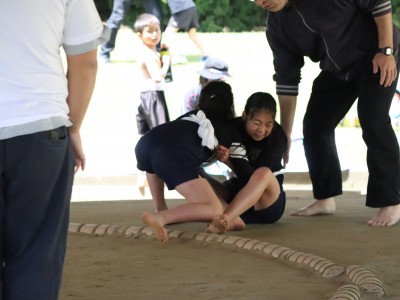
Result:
[285,156]
[386,64]
[80,160]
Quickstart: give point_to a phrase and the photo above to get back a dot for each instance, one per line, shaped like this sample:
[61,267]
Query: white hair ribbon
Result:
[205,131]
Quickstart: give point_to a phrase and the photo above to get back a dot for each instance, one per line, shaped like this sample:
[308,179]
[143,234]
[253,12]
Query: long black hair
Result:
[260,101]
[216,100]
[276,142]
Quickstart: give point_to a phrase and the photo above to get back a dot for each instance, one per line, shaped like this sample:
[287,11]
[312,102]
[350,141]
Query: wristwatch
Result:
[387,51]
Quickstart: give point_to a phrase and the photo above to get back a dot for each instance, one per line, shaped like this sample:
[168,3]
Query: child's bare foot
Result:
[386,216]
[142,190]
[155,223]
[218,225]
[318,207]
[237,224]
[141,182]
[161,208]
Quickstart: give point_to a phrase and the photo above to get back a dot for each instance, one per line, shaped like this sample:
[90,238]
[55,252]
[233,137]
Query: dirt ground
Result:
[122,268]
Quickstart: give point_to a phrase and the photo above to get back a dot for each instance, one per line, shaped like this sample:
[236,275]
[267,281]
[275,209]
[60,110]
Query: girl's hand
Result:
[222,153]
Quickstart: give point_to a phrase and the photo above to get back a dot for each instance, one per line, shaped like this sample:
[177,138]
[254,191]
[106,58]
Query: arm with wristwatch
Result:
[384,61]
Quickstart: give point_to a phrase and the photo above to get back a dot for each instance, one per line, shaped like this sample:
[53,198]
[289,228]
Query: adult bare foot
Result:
[318,207]
[386,216]
[155,223]
[218,225]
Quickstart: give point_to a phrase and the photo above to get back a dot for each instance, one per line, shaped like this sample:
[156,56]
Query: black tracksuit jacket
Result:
[339,34]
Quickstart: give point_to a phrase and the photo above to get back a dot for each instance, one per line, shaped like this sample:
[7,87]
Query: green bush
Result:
[216,15]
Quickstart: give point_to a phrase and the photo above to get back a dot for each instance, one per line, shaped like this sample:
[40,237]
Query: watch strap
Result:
[387,51]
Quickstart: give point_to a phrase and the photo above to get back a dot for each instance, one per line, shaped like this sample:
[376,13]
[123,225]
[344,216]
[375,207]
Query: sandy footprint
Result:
[154,222]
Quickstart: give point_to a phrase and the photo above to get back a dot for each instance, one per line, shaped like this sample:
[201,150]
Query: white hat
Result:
[214,69]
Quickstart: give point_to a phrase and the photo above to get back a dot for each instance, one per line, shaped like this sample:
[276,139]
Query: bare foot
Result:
[161,208]
[142,190]
[237,224]
[386,216]
[318,207]
[141,182]
[155,223]
[218,225]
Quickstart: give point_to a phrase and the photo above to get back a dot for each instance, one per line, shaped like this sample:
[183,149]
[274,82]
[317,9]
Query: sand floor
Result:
[196,266]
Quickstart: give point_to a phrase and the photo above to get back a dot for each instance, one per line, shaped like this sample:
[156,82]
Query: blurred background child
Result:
[119,11]
[153,68]
[214,70]
[183,18]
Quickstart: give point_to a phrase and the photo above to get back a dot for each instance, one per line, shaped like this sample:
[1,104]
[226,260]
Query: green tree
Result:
[217,15]
[396,11]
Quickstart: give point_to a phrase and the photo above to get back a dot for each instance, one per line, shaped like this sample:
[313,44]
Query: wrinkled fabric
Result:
[205,131]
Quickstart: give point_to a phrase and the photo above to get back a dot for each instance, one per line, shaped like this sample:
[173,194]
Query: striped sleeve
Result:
[237,151]
[382,8]
[282,89]
[240,162]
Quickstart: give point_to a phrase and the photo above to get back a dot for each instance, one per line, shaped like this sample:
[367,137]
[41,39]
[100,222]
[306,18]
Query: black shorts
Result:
[184,20]
[268,215]
[152,111]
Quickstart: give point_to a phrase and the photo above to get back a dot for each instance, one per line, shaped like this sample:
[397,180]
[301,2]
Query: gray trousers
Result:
[120,9]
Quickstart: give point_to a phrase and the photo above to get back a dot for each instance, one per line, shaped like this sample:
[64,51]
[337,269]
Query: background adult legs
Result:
[330,100]
[120,9]
[153,7]
[382,145]
[195,39]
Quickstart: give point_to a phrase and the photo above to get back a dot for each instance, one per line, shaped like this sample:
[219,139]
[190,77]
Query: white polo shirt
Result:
[33,85]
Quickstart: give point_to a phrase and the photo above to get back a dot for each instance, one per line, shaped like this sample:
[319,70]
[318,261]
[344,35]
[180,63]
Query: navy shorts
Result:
[172,151]
[184,20]
[268,215]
